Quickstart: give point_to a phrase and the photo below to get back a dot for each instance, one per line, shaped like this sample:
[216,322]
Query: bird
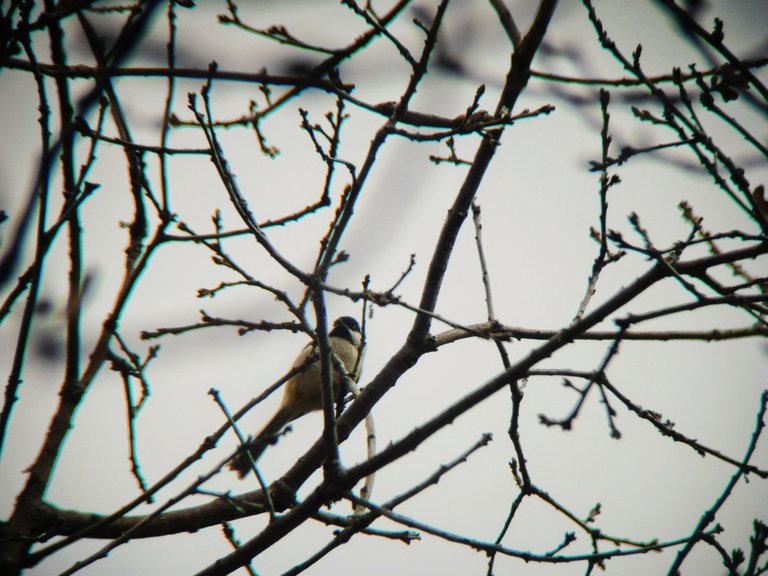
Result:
[303,391]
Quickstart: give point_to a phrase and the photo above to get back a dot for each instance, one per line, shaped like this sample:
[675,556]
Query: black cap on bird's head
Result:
[344,327]
[348,322]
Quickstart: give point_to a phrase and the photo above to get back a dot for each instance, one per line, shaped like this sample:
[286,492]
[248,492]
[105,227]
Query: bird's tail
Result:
[241,463]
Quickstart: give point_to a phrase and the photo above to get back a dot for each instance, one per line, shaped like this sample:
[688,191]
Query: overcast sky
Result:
[538,201]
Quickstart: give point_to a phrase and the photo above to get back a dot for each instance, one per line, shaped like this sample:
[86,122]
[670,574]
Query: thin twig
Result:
[244,442]
[710,514]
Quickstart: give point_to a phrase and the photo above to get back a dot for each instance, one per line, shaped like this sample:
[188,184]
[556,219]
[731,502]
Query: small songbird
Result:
[303,391]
